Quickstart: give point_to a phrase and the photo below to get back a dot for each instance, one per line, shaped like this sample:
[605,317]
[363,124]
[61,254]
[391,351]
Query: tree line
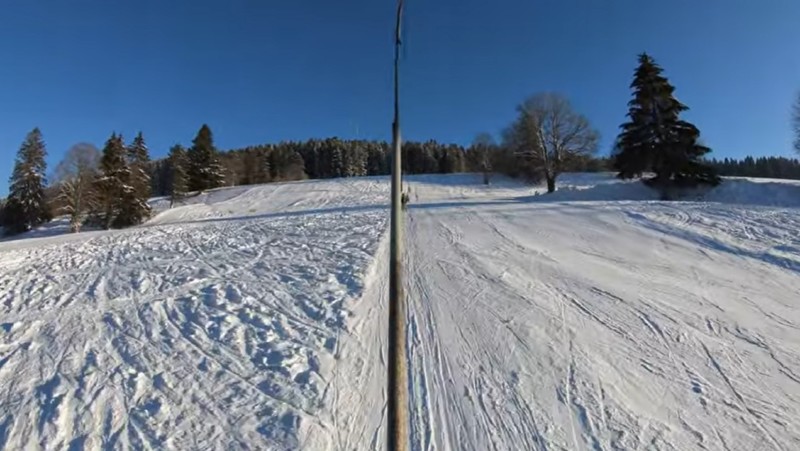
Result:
[316,159]
[767,167]
[110,188]
[103,189]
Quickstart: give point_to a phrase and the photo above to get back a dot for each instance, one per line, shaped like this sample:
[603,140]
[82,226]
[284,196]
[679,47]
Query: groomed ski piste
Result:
[254,317]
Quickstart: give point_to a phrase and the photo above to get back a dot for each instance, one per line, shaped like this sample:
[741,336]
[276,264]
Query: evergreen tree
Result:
[160,177]
[205,170]
[113,187]
[337,161]
[178,162]
[262,166]
[26,206]
[655,138]
[134,208]
[479,156]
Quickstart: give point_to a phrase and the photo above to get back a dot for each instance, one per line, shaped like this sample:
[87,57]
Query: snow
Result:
[254,317]
[571,322]
[216,325]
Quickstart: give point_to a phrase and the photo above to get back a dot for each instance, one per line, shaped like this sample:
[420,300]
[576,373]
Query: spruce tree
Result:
[205,170]
[337,162]
[26,206]
[655,139]
[134,208]
[113,188]
[178,178]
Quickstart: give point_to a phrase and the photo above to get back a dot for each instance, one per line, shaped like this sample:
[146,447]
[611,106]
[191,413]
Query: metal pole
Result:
[397,380]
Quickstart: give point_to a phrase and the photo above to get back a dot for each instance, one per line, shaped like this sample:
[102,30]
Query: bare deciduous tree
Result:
[550,133]
[76,174]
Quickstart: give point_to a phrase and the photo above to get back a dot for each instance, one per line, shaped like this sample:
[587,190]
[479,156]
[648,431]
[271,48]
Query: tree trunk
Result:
[551,183]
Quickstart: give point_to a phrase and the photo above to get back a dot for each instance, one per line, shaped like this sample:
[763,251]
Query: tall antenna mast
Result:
[397,380]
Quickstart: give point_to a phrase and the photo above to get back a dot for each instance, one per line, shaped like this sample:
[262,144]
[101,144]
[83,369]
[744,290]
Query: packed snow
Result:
[214,326]
[596,317]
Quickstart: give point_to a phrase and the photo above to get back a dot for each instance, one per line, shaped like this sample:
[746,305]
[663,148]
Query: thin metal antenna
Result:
[397,379]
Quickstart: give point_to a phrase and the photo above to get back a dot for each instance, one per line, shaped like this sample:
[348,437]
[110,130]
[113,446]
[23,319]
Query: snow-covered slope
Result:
[570,322]
[254,318]
[215,326]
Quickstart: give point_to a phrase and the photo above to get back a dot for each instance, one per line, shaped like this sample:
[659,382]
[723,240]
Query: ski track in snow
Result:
[215,326]
[553,323]
[255,318]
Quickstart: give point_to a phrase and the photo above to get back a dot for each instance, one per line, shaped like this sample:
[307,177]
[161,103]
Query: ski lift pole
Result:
[397,378]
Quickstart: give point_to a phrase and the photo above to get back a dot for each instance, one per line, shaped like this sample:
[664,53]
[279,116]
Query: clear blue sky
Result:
[261,71]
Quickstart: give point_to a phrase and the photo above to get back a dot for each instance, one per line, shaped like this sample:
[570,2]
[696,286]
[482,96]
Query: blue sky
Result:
[262,71]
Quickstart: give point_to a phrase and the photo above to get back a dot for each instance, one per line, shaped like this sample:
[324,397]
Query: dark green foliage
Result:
[334,157]
[655,139]
[767,167]
[160,177]
[26,206]
[112,187]
[134,208]
[205,170]
[178,162]
[480,154]
[286,163]
[316,159]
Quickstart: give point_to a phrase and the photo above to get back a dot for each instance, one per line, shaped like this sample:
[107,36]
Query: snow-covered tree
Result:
[205,170]
[26,206]
[75,176]
[112,185]
[134,208]
[548,133]
[337,162]
[655,138]
[178,162]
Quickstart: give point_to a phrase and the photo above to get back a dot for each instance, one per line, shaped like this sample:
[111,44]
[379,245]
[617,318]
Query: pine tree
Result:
[178,178]
[655,138]
[134,208]
[337,162]
[205,170]
[26,206]
[113,188]
[261,170]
